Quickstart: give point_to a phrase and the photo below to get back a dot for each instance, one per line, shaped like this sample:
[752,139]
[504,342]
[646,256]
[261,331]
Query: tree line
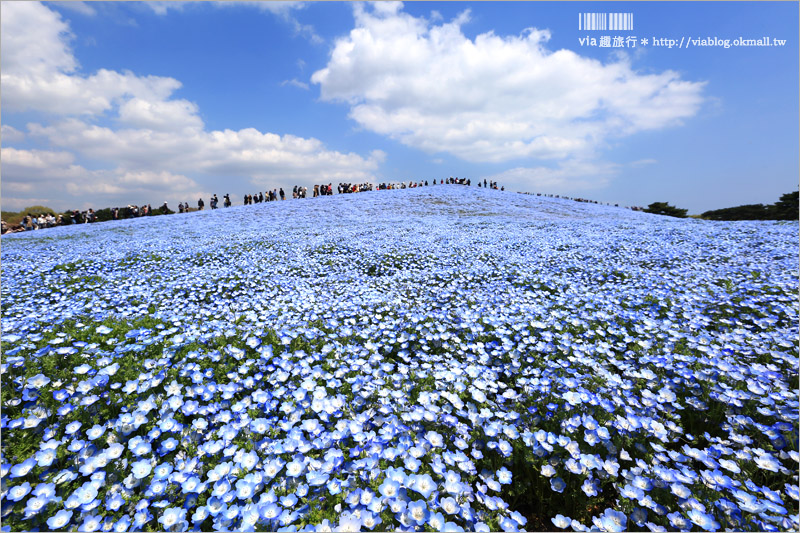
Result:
[786,208]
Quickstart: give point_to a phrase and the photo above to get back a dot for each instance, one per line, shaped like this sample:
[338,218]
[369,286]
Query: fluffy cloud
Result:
[155,141]
[494,98]
[566,176]
[159,115]
[40,72]
[10,134]
[60,183]
[36,163]
[33,40]
[248,152]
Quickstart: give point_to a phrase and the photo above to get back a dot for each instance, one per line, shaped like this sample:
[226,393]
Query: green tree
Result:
[742,212]
[663,208]
[787,208]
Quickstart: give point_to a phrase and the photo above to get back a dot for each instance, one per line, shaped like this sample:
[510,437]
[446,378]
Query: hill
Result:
[475,359]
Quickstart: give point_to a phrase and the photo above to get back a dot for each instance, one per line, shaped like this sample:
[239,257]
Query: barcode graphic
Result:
[605,21]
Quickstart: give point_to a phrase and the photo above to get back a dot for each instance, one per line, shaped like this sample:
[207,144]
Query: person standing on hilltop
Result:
[283,196]
[200,204]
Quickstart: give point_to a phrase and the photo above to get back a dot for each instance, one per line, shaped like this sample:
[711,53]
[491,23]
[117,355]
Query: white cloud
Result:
[566,176]
[248,152]
[33,40]
[18,203]
[10,134]
[78,7]
[642,162]
[40,73]
[282,9]
[159,115]
[155,143]
[492,98]
[162,8]
[35,161]
[68,185]
[294,82]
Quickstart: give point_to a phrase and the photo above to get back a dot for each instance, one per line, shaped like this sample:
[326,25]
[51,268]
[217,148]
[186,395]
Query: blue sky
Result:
[110,104]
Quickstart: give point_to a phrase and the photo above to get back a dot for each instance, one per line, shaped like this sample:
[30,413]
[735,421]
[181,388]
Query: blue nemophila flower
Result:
[504,476]
[45,458]
[95,432]
[389,488]
[59,520]
[418,511]
[72,427]
[557,484]
[561,521]
[172,516]
[114,502]
[589,487]
[90,523]
[38,381]
[141,469]
[23,468]
[422,484]
[706,521]
[611,520]
[641,354]
[17,492]
[192,484]
[436,521]
[34,506]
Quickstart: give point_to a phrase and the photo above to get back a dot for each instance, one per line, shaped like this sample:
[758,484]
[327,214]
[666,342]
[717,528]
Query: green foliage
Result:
[788,207]
[13,218]
[104,214]
[784,209]
[742,212]
[663,208]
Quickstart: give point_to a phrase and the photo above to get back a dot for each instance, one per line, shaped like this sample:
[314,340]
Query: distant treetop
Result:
[787,208]
[663,208]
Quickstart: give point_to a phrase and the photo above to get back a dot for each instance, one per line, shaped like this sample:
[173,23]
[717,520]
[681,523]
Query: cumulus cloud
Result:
[33,40]
[492,98]
[565,176]
[172,115]
[149,141]
[35,160]
[10,134]
[40,73]
[246,152]
[69,185]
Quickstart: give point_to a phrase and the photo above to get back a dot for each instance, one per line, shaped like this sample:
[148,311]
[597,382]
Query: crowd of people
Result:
[250,199]
[44,220]
[583,200]
[49,220]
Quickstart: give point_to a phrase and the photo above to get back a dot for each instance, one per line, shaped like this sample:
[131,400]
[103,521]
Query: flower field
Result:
[434,359]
